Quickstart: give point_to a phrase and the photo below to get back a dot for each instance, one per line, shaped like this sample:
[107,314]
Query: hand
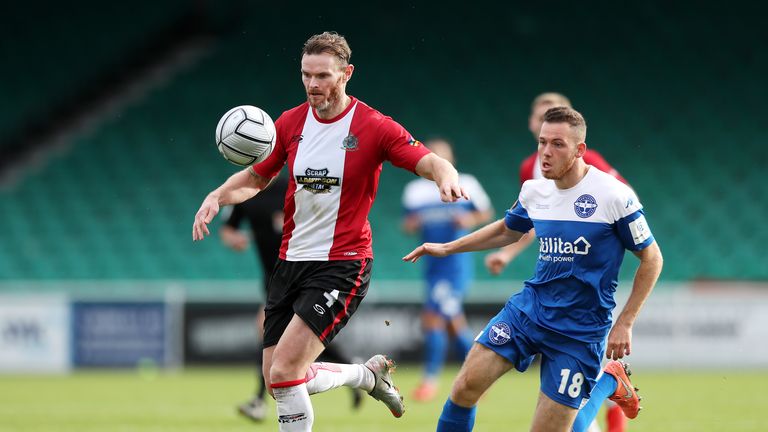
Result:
[465,221]
[451,192]
[433,249]
[496,262]
[411,224]
[235,239]
[208,210]
[619,341]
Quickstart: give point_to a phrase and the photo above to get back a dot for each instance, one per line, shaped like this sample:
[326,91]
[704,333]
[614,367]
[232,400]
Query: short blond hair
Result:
[551,98]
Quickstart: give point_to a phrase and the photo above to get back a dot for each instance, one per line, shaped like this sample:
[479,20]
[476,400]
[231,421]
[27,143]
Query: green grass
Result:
[204,400]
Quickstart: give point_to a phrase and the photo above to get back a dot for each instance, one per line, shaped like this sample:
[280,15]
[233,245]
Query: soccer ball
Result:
[245,135]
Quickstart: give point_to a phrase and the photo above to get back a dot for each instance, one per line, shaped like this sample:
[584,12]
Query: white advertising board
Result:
[34,334]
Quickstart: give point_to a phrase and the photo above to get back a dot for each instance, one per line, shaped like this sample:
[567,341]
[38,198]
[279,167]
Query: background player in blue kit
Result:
[585,219]
[447,278]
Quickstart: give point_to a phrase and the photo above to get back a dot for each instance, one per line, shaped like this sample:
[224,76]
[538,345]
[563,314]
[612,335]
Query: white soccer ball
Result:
[245,135]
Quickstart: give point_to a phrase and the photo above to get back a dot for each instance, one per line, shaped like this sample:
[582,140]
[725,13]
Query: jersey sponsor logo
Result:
[554,249]
[349,143]
[353,253]
[585,206]
[499,333]
[639,230]
[317,181]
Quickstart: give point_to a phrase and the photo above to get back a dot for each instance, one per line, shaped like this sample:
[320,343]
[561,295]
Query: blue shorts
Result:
[569,367]
[445,296]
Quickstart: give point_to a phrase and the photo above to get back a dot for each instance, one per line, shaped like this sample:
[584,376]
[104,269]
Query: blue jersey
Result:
[582,232]
[422,198]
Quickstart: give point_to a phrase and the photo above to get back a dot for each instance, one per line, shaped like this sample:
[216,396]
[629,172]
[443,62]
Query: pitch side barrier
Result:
[53,328]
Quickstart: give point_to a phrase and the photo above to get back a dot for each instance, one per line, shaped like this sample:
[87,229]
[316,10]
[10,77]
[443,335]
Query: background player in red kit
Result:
[530,169]
[334,146]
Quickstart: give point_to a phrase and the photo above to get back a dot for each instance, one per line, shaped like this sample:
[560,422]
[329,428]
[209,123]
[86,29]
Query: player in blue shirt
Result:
[584,220]
[447,278]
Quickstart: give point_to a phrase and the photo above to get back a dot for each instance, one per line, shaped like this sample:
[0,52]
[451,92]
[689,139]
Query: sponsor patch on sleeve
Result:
[639,230]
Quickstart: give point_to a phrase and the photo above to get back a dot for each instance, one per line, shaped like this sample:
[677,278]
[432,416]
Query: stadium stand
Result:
[120,203]
[78,44]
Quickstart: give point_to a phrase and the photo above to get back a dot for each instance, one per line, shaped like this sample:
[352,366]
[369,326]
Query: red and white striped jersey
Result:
[334,166]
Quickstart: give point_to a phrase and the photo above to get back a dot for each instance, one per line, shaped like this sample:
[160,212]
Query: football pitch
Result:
[195,399]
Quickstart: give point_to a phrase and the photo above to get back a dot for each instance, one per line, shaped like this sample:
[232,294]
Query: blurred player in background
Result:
[530,169]
[334,145]
[584,219]
[264,214]
[447,278]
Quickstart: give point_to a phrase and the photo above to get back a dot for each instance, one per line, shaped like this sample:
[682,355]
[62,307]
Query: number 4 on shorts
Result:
[332,297]
[575,388]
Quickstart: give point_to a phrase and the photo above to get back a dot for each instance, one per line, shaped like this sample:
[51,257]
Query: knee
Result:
[466,391]
[282,371]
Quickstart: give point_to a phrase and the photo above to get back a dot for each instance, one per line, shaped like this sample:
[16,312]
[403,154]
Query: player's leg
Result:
[435,342]
[461,333]
[330,295]
[614,383]
[569,369]
[457,322]
[290,359]
[501,346]
[334,354]
[480,370]
[551,416]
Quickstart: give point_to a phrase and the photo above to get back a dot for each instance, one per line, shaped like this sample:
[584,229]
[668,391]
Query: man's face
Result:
[324,80]
[537,118]
[558,149]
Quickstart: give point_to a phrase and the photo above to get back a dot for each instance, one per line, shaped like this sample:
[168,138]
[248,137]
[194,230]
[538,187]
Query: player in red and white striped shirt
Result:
[334,145]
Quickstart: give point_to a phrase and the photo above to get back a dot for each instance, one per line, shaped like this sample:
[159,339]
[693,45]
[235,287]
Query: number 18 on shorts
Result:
[569,367]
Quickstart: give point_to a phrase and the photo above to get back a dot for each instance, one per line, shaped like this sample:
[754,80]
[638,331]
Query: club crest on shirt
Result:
[585,206]
[349,143]
[499,333]
[317,181]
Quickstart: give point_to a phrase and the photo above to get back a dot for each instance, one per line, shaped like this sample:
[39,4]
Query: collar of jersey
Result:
[349,107]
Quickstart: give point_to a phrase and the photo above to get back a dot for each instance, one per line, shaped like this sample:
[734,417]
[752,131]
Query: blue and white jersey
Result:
[421,198]
[582,232]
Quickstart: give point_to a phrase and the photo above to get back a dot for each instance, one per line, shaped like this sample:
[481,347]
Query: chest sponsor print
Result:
[317,181]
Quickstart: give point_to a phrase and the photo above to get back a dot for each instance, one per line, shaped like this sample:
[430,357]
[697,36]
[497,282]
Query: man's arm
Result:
[433,167]
[491,236]
[620,337]
[238,188]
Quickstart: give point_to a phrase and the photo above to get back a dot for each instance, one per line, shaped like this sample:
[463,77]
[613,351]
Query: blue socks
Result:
[606,386]
[456,418]
[434,354]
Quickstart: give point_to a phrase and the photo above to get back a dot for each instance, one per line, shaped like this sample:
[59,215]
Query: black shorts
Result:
[324,294]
